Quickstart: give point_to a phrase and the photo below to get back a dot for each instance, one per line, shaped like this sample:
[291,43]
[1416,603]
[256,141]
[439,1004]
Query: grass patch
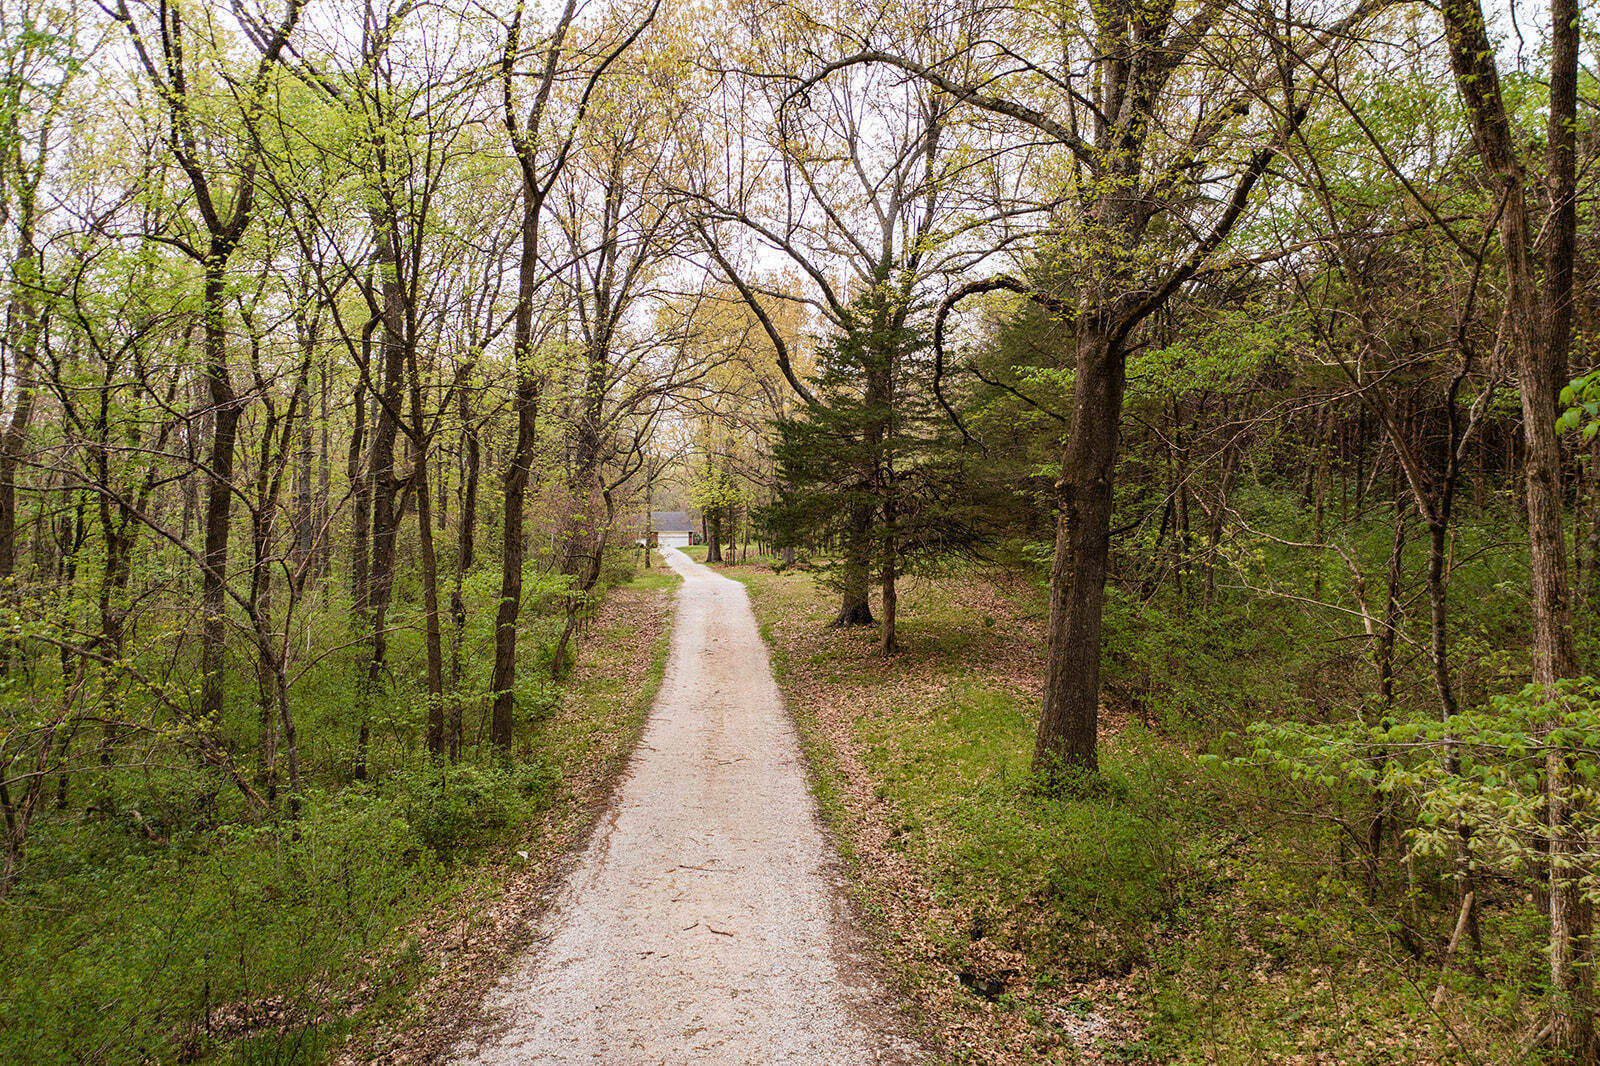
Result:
[658,578]
[166,932]
[1175,912]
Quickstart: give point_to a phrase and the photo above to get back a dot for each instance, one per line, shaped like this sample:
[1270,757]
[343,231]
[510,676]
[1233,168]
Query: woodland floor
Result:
[1133,922]
[975,1000]
[708,917]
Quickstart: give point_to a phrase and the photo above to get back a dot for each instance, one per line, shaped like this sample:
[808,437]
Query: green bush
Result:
[454,807]
[119,948]
[154,950]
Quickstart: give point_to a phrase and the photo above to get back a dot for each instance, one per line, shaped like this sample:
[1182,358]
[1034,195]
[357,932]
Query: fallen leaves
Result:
[1005,1012]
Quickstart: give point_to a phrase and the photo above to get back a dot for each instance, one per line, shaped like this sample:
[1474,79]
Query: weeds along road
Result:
[705,921]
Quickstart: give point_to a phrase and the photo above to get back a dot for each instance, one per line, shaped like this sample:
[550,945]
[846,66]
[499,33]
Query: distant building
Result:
[671,529]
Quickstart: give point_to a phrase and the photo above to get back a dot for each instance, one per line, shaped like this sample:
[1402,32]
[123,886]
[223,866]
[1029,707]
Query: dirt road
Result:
[704,922]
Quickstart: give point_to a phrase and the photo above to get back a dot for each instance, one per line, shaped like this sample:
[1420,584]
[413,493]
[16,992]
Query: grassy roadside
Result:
[1173,913]
[368,923]
[901,751]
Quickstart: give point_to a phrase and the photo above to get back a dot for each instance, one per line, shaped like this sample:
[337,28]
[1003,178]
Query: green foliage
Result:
[876,457]
[146,944]
[456,807]
[1198,673]
[714,489]
[156,917]
[1484,769]
[1581,400]
[1216,352]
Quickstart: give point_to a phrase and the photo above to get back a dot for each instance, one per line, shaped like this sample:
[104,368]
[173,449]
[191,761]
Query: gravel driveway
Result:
[705,921]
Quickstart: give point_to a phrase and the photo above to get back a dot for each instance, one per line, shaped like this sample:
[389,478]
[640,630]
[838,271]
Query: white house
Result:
[672,529]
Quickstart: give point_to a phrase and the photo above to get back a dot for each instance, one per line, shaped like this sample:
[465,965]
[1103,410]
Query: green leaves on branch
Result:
[1482,771]
[1581,401]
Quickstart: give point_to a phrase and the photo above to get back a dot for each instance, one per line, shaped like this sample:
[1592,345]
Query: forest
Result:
[1160,438]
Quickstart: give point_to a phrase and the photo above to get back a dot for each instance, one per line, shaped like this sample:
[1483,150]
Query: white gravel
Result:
[704,922]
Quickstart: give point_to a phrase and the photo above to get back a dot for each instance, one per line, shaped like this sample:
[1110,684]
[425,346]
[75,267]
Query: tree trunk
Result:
[1539,332]
[1069,719]
[524,405]
[575,603]
[324,479]
[361,498]
[466,552]
[857,568]
[304,511]
[713,524]
[1383,658]
[225,411]
[887,643]
[384,484]
[430,565]
[24,332]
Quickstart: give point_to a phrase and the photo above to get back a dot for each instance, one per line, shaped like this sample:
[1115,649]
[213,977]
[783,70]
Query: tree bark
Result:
[1069,719]
[525,406]
[22,339]
[466,553]
[225,411]
[713,523]
[888,643]
[383,480]
[1539,332]
[856,571]
[430,564]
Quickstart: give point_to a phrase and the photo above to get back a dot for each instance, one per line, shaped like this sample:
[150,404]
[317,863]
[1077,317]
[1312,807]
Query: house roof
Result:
[670,521]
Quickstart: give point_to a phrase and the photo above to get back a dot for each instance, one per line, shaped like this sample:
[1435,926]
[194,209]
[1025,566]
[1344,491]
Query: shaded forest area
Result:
[348,347]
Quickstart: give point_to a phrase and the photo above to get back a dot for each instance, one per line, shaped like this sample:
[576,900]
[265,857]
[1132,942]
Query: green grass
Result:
[1239,931]
[657,578]
[1078,881]
[187,931]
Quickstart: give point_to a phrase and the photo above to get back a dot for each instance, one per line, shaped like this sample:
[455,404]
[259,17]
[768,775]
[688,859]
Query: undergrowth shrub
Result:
[156,949]
[454,807]
[1197,673]
[122,948]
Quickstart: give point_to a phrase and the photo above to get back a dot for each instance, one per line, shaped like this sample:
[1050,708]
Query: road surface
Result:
[705,921]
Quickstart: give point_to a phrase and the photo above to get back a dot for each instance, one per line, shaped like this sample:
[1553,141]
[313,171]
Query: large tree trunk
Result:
[1069,719]
[1571,913]
[525,405]
[1539,332]
[225,411]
